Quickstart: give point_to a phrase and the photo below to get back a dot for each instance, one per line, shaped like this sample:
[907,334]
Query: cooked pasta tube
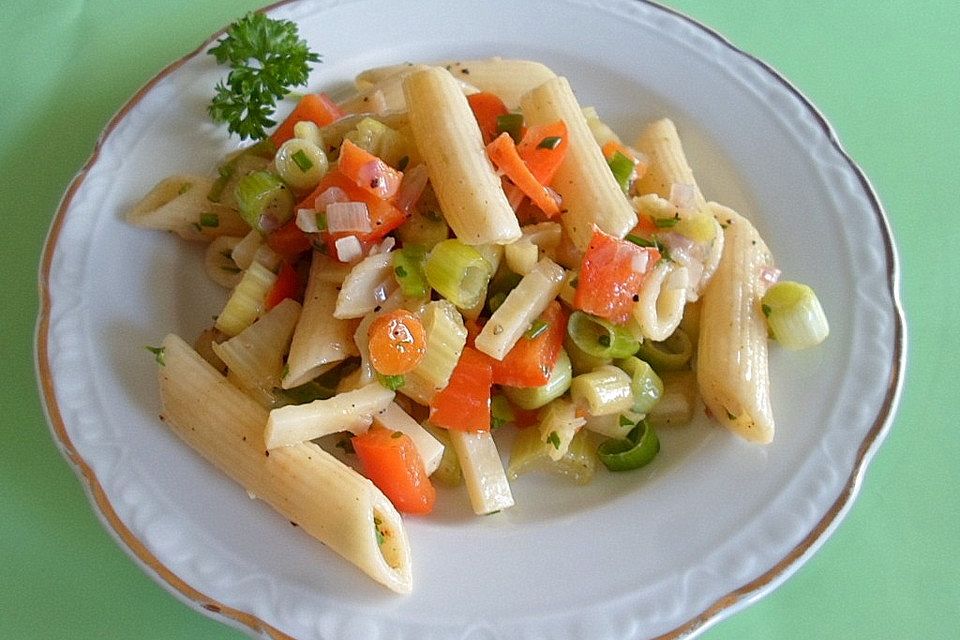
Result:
[380,90]
[306,485]
[219,264]
[660,142]
[463,178]
[521,307]
[508,78]
[396,419]
[732,369]
[320,340]
[591,195]
[349,411]
[180,204]
[254,357]
[663,295]
[369,283]
[483,471]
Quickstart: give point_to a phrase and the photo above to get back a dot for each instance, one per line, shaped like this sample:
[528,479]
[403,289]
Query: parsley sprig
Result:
[266,57]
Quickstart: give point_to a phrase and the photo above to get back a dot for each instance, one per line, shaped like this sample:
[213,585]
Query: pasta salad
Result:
[458,250]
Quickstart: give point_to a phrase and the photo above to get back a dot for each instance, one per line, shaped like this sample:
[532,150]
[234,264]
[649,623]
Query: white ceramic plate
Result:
[712,525]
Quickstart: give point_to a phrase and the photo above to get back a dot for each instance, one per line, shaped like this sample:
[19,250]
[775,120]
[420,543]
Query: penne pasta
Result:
[510,79]
[732,358]
[465,183]
[369,283]
[349,411]
[306,485]
[668,166]
[591,195]
[180,204]
[319,340]
[663,296]
[254,357]
[219,264]
[483,472]
[521,307]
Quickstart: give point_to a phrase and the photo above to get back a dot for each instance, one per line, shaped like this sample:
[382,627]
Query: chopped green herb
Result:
[623,170]
[574,283]
[500,411]
[266,58]
[766,310]
[511,123]
[396,435]
[663,223]
[184,188]
[377,524]
[402,163]
[625,421]
[400,271]
[159,355]
[302,161]
[554,439]
[604,340]
[550,142]
[640,242]
[537,328]
[211,220]
[391,382]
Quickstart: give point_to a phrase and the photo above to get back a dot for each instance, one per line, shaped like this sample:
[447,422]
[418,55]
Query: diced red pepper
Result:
[464,404]
[487,107]
[287,285]
[531,360]
[318,108]
[391,461]
[384,217]
[289,241]
[611,273]
[368,172]
[543,149]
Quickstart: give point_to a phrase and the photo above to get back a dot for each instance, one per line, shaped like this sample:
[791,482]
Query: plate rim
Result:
[721,608]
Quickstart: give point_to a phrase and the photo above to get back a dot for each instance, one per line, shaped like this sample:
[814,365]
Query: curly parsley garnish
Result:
[266,57]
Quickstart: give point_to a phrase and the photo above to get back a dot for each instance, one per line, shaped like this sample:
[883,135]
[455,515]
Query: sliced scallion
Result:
[264,201]
[457,272]
[623,169]
[408,270]
[671,354]
[599,337]
[638,449]
[794,315]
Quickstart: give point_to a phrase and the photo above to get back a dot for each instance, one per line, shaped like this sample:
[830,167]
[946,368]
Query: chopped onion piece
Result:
[328,197]
[411,187]
[307,221]
[769,276]
[348,216]
[267,223]
[348,248]
[384,247]
[639,262]
[683,196]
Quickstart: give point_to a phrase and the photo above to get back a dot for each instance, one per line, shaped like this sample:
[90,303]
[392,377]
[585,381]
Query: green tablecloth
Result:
[887,75]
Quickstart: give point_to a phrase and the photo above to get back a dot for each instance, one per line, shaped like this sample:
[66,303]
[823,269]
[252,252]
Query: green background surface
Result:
[886,74]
